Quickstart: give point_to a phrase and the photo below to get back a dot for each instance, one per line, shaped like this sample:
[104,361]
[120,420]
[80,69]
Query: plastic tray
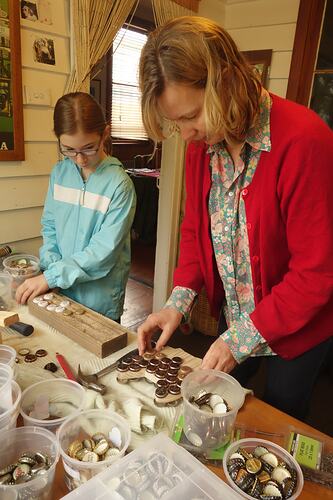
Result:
[157,469]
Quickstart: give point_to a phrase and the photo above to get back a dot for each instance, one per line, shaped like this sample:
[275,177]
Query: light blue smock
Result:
[86,234]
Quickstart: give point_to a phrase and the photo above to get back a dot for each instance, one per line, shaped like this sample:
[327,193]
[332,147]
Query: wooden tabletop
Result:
[254,415]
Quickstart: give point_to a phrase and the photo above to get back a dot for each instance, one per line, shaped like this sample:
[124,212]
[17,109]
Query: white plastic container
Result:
[250,444]
[16,441]
[7,355]
[159,465]
[6,377]
[207,430]
[8,418]
[65,398]
[19,275]
[83,426]
[6,299]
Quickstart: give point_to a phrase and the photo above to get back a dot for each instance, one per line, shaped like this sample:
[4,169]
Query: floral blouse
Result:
[230,239]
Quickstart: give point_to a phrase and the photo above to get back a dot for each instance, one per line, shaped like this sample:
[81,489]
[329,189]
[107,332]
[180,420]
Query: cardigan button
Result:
[258,288]
[255,259]
[244,192]
[249,225]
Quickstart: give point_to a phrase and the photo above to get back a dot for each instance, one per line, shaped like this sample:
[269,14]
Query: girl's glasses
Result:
[72,153]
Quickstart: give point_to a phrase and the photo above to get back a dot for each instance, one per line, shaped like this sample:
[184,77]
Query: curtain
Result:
[164,10]
[94,26]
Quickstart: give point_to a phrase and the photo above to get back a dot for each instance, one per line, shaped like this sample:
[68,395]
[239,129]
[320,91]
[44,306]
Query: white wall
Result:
[23,184]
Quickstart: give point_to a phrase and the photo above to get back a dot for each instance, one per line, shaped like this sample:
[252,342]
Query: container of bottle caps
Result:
[211,403]
[6,377]
[21,267]
[90,442]
[28,460]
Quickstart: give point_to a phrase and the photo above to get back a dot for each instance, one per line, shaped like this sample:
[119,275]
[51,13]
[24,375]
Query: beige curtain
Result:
[164,10]
[94,26]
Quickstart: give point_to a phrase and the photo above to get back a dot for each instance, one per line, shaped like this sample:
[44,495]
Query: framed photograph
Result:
[261,60]
[11,108]
[95,89]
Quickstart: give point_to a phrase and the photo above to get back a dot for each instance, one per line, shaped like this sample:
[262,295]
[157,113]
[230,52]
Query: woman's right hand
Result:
[167,320]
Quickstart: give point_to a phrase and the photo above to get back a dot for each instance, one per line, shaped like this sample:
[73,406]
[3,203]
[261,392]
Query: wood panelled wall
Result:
[23,185]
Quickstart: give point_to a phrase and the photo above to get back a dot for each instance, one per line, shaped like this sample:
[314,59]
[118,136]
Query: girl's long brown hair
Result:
[199,53]
[79,112]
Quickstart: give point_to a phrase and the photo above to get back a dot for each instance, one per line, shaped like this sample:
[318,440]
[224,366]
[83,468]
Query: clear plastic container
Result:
[16,441]
[64,398]
[82,426]
[8,418]
[7,355]
[6,377]
[157,469]
[250,444]
[6,299]
[208,430]
[21,267]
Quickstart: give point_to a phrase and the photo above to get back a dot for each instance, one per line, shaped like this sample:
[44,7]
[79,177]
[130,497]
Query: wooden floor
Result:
[139,290]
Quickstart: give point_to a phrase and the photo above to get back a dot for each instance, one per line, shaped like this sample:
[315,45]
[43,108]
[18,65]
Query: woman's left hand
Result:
[31,288]
[219,357]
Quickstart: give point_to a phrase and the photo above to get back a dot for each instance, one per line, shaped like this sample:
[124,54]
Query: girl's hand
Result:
[30,288]
[219,357]
[167,320]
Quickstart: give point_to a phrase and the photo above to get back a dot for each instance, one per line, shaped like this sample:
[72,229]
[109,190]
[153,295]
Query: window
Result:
[125,104]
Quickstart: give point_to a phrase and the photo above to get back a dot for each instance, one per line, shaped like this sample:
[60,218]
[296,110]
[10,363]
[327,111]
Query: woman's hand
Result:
[219,357]
[30,288]
[167,320]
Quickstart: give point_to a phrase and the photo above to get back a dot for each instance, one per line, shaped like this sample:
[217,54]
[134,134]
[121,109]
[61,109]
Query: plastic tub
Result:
[63,397]
[9,417]
[84,426]
[23,439]
[249,444]
[21,267]
[6,377]
[207,430]
[6,299]
[7,355]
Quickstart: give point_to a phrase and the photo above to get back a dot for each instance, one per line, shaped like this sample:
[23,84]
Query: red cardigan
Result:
[289,211]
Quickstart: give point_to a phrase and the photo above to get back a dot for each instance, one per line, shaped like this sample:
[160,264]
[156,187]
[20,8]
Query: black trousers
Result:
[289,384]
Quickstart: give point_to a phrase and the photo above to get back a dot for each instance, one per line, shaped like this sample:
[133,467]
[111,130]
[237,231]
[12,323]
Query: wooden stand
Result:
[96,333]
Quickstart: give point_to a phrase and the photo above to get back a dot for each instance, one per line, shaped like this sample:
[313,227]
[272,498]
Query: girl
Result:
[88,214]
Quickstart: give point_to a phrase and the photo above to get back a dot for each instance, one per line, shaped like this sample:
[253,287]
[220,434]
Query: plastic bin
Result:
[84,426]
[158,468]
[66,398]
[6,377]
[250,444]
[8,418]
[7,355]
[16,441]
[203,429]
[6,299]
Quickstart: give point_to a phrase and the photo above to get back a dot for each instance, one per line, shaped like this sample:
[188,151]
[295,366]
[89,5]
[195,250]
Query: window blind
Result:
[126,122]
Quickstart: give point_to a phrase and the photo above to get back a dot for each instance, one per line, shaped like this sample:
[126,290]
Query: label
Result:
[306,450]
[71,472]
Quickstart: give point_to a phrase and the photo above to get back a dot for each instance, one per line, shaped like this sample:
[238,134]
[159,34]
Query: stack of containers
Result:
[10,392]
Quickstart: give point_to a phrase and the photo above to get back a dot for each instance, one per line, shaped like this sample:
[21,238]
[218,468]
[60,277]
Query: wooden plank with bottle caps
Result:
[165,369]
[96,333]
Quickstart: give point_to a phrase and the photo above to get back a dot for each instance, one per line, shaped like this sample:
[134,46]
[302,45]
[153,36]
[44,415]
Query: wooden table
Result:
[254,415]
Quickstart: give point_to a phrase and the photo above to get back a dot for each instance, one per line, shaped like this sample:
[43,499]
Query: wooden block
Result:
[96,333]
[7,318]
[123,377]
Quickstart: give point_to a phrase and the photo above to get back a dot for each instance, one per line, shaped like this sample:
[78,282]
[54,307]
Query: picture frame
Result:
[95,89]
[261,60]
[11,104]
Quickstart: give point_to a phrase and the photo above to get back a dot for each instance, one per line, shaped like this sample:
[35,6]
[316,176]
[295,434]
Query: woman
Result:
[258,226]
[88,213]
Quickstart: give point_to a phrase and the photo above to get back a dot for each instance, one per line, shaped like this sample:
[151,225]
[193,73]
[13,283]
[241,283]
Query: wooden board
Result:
[96,333]
[169,352]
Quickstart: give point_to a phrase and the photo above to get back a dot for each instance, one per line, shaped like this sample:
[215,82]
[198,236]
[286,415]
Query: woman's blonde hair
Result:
[197,52]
